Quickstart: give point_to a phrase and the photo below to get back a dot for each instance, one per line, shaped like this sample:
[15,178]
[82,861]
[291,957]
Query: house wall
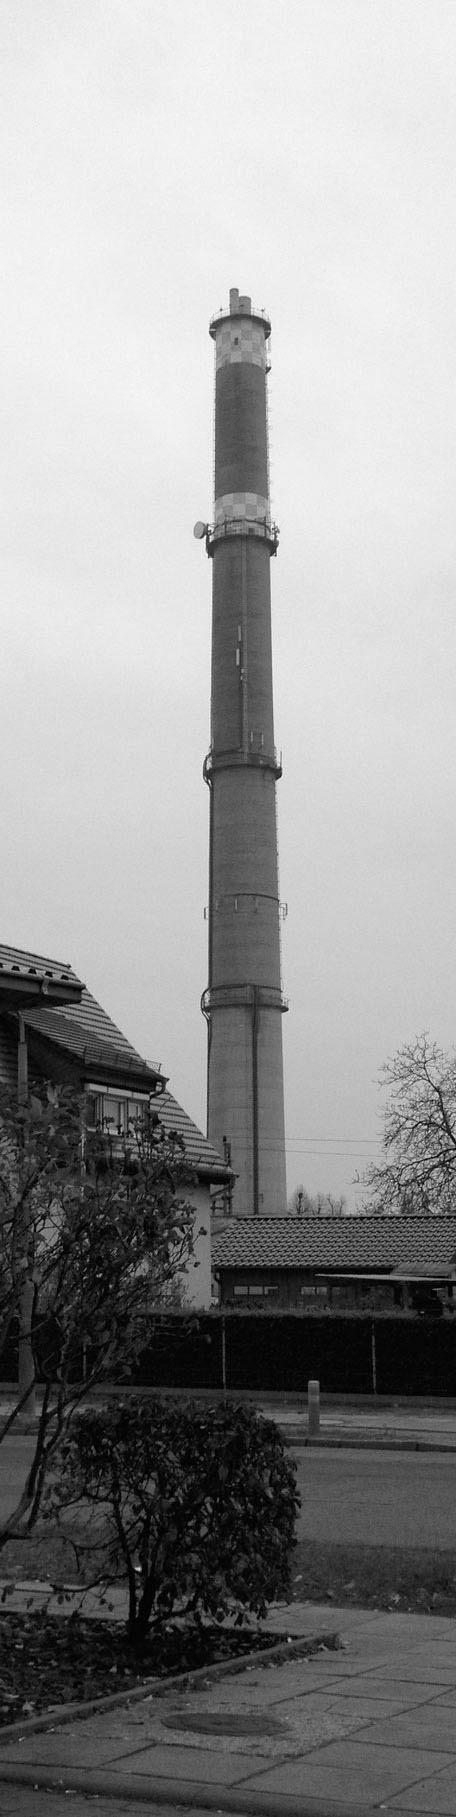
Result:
[8,1055]
[298,1290]
[289,1288]
[47,1062]
[196,1279]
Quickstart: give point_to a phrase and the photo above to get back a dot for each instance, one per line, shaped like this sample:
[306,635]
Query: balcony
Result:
[260,529]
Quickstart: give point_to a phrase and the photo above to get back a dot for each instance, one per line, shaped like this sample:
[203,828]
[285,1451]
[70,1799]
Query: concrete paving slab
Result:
[189,1764]
[434,1661]
[335,1702]
[428,1727]
[69,1747]
[267,1688]
[260,1686]
[349,1772]
[349,1662]
[419,1671]
[440,1660]
[404,1692]
[295,1713]
[436,1795]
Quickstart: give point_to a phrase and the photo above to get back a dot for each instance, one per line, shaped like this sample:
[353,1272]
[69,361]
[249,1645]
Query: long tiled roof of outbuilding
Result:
[341,1243]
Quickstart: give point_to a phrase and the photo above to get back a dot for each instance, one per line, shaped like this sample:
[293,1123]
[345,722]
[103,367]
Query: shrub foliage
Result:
[196,1506]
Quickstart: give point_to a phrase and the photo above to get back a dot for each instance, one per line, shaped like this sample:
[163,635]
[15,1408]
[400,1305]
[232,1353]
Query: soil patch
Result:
[46,1661]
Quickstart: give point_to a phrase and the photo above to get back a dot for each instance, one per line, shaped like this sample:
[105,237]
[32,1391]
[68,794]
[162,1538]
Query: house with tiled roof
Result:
[51,1027]
[337,1263]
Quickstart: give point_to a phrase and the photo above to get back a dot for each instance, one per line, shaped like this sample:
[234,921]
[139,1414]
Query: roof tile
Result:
[15,959]
[198,1151]
[342,1242]
[84,1029]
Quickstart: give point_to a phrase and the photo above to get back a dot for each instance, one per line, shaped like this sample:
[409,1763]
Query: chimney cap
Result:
[239,306]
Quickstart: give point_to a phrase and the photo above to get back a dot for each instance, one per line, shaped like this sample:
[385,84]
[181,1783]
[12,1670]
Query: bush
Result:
[197,1506]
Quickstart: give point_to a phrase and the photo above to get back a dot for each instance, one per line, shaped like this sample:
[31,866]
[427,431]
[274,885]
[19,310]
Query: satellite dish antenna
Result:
[199,530]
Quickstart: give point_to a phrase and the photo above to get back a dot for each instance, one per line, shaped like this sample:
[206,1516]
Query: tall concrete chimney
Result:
[243,1003]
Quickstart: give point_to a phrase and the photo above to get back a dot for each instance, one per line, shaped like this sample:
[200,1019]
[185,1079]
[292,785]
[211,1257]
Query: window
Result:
[116,1114]
[113,1116]
[254,1290]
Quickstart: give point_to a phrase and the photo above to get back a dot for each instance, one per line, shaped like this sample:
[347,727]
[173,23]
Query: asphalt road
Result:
[384,1498]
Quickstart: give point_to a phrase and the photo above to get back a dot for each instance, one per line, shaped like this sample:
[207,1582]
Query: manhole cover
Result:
[224,1722]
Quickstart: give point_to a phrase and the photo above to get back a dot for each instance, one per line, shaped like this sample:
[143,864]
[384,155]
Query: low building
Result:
[52,1028]
[341,1263]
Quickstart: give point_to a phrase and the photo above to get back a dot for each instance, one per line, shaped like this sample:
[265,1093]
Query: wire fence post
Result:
[223,1354]
[313,1409]
[374,1360]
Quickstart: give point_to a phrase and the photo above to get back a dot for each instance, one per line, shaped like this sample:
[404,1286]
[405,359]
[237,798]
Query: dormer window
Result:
[117,1114]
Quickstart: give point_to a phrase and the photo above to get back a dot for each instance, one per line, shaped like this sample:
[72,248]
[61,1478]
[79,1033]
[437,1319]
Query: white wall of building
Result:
[196,1280]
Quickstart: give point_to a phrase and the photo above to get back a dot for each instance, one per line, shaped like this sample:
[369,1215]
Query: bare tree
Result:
[417,1172]
[321,1205]
[100,1233]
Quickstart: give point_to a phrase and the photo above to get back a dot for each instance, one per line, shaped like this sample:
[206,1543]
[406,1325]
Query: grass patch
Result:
[47,1556]
[401,1578]
[407,1578]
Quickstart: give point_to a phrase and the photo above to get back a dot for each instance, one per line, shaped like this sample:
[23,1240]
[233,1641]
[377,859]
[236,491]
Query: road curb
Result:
[297,1437]
[300,1442]
[162,1791]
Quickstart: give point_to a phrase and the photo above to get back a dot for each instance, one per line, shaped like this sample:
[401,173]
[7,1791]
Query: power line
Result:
[360,1141]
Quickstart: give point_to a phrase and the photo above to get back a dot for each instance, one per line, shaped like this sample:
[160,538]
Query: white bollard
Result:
[313,1405]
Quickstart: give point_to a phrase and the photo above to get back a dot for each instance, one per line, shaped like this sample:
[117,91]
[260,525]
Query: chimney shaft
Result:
[243,1003]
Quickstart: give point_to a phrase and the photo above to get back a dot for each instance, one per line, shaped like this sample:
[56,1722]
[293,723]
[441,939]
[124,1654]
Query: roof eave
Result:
[98,1069]
[211,1170]
[20,993]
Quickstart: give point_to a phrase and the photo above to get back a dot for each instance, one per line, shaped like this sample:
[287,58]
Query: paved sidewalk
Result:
[410,1425]
[420,1428]
[366,1728]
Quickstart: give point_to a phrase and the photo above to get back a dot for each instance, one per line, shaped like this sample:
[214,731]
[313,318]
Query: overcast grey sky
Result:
[152,156]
